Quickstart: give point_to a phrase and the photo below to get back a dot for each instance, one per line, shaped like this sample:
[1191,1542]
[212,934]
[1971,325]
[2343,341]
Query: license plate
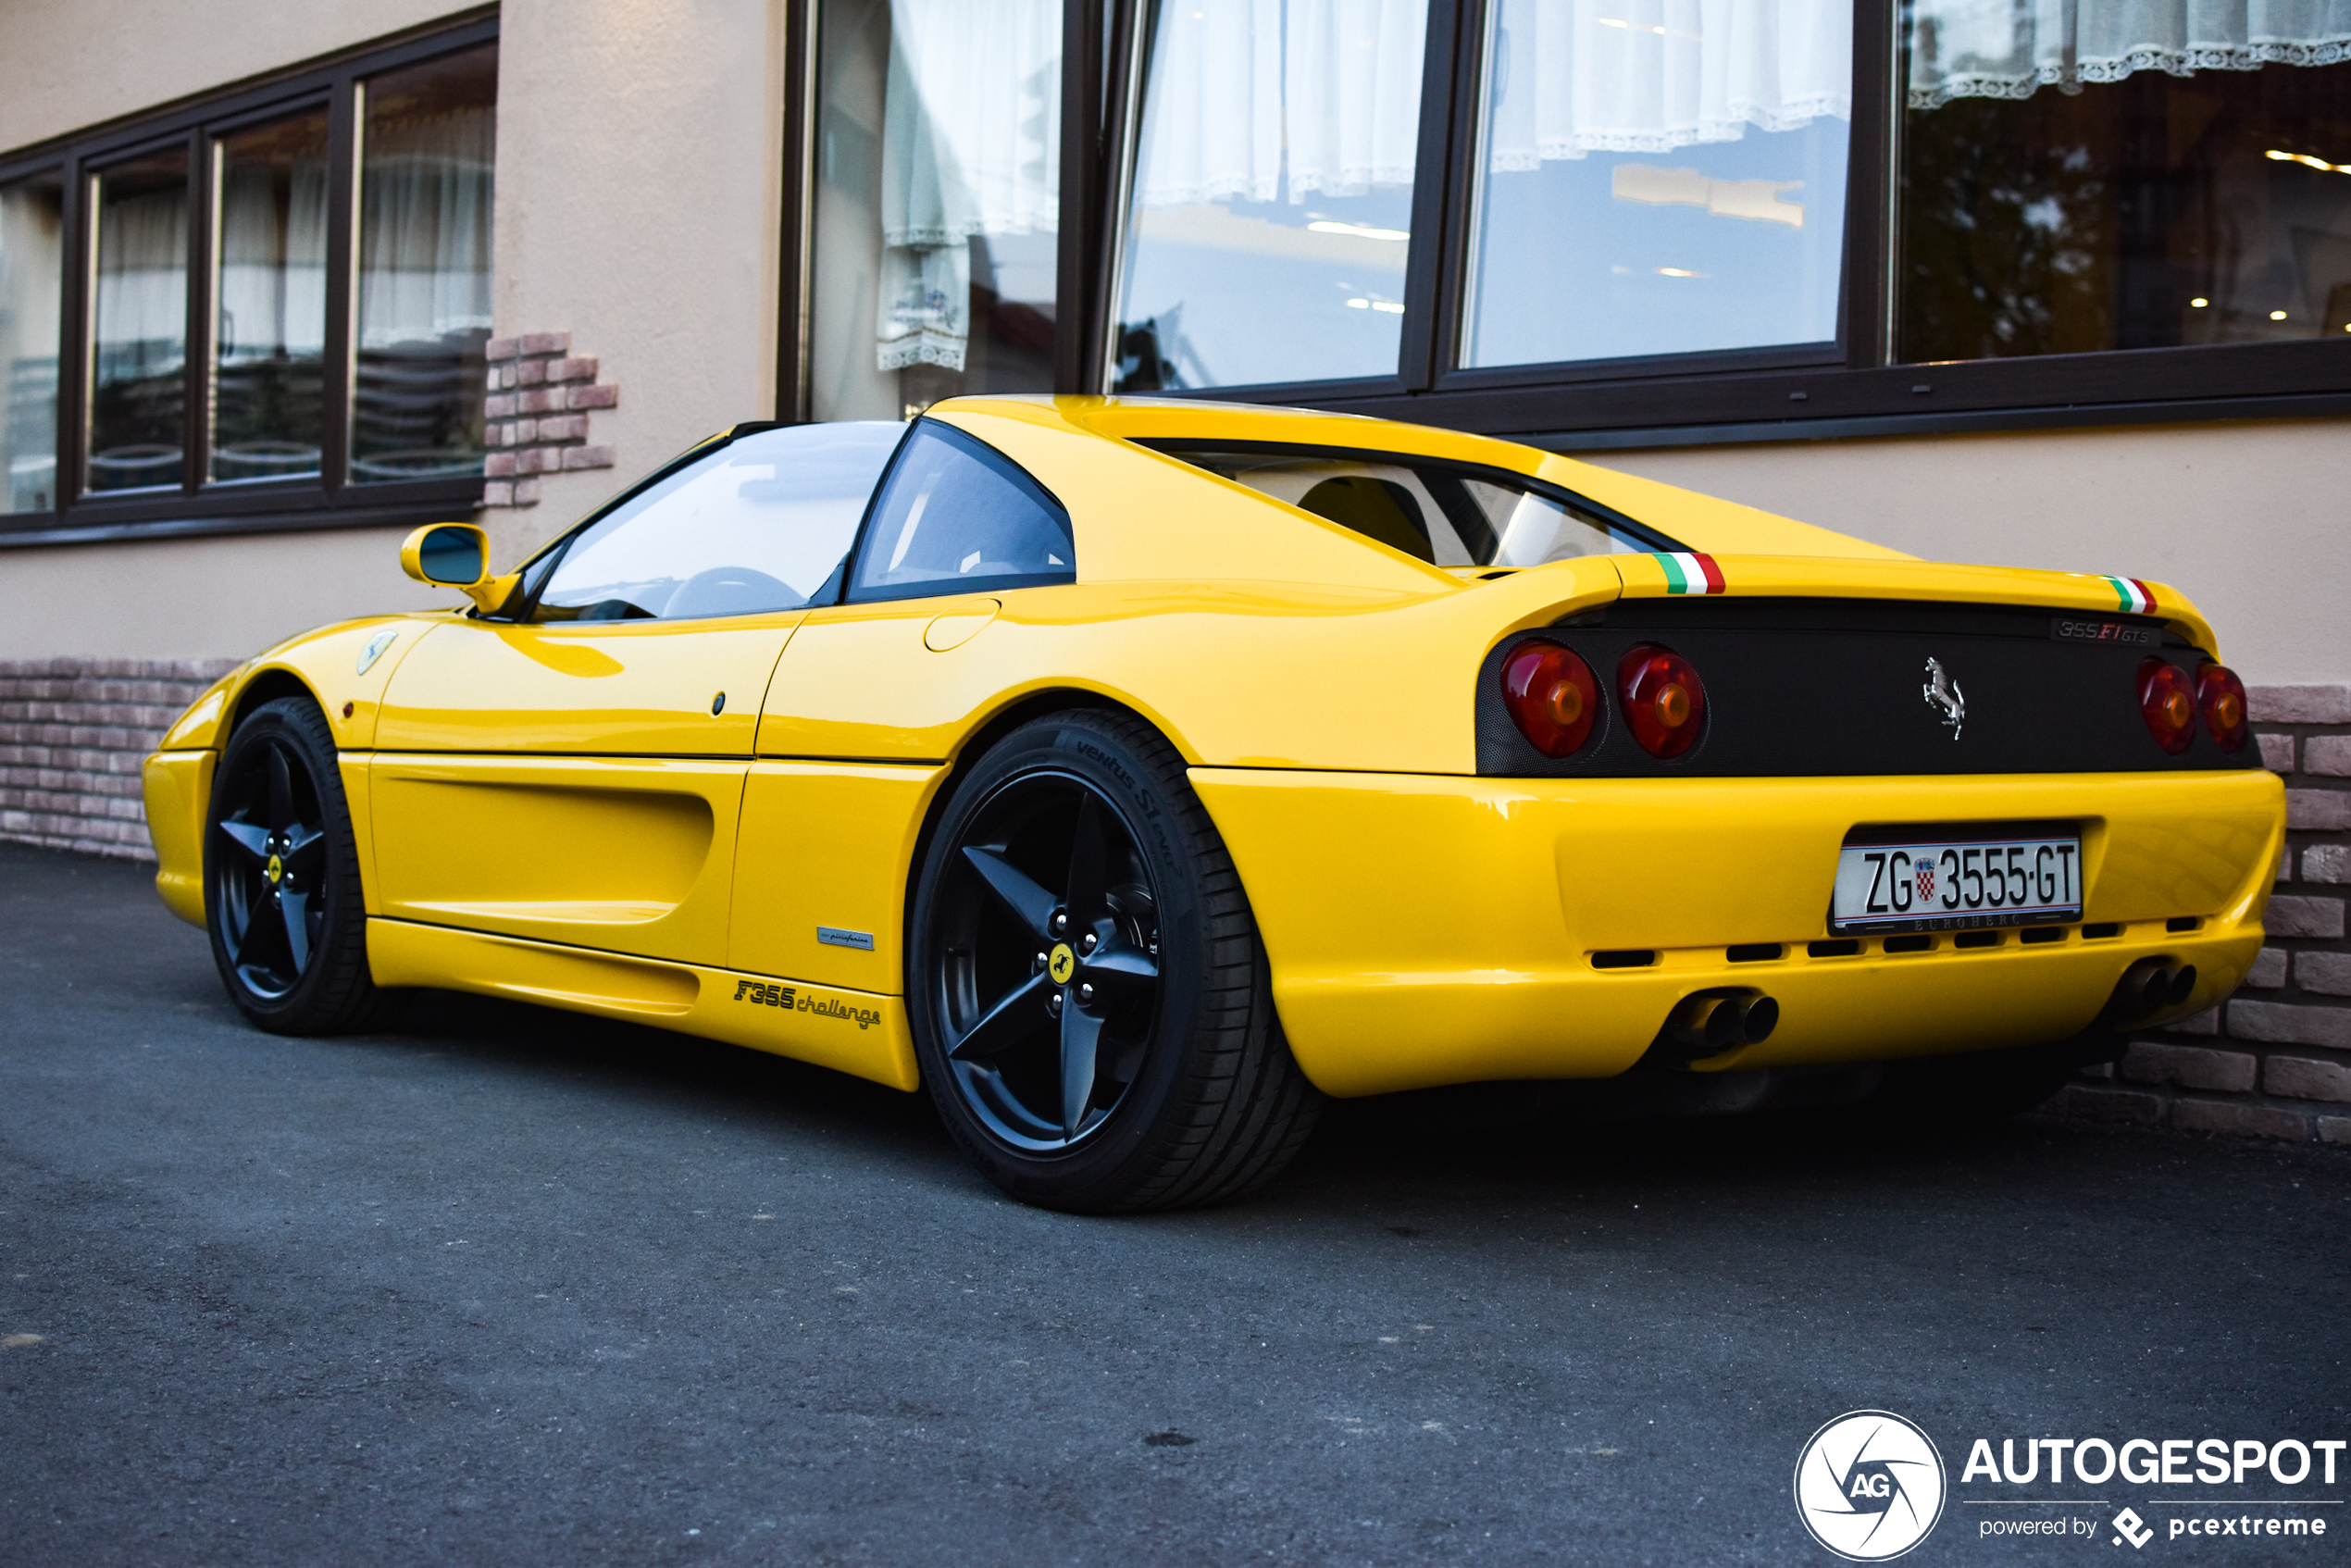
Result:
[1947,882]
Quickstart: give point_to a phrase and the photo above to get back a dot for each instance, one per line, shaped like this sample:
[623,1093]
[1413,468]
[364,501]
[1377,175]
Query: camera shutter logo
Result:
[1870,1485]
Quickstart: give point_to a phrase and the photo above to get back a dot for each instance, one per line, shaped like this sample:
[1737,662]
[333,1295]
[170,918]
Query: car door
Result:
[849,757]
[574,773]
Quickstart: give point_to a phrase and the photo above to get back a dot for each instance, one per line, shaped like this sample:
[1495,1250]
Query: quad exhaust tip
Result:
[1713,1022]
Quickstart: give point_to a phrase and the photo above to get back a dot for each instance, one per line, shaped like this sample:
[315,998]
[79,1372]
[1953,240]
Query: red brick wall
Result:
[72,733]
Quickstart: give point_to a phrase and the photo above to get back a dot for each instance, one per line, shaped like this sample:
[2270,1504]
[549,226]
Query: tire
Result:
[1090,1002]
[282,900]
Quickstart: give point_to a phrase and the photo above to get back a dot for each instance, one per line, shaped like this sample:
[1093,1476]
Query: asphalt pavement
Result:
[514,1286]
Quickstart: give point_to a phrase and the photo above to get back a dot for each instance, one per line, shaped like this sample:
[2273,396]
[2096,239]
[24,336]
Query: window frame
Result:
[198,505]
[1849,387]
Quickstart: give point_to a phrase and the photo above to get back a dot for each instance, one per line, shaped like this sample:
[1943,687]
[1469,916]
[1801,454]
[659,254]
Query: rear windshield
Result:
[1447,513]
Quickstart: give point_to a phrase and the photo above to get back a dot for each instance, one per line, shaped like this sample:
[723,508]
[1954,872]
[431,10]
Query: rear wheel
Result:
[282,877]
[1090,1004]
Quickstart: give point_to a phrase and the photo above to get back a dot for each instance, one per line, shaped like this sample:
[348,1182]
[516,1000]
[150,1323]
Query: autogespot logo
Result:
[1870,1485]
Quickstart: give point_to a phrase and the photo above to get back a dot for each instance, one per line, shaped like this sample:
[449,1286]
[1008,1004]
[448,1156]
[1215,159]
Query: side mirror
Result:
[456,555]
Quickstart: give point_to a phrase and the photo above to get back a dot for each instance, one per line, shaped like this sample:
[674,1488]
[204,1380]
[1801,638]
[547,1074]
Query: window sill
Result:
[306,510]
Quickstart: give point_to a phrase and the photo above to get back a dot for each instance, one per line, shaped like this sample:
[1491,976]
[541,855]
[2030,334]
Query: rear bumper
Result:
[1427,930]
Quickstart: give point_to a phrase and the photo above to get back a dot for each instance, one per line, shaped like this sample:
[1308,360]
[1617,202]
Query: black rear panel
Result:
[1815,687]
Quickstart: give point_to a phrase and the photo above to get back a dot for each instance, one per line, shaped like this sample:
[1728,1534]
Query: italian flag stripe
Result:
[2136,597]
[1686,571]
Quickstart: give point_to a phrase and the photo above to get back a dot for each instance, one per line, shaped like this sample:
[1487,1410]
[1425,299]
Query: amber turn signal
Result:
[1551,695]
[2168,704]
[1663,699]
[2221,696]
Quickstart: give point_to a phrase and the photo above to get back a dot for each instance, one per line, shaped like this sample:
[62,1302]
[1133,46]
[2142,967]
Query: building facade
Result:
[2054,286]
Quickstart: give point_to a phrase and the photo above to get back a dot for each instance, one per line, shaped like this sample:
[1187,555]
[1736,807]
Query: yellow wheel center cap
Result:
[1061,964]
[275,871]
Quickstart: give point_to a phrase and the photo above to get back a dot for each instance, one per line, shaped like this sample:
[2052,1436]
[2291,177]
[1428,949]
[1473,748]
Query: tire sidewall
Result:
[308,1003]
[1093,1175]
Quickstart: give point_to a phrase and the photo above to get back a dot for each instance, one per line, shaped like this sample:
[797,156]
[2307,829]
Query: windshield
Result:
[1446,514]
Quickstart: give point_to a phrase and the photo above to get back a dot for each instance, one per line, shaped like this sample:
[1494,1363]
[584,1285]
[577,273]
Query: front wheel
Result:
[282,877]
[1092,1006]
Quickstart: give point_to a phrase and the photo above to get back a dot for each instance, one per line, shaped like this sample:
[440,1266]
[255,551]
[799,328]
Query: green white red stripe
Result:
[1686,571]
[2137,598]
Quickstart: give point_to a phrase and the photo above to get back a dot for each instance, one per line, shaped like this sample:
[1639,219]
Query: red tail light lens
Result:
[2168,703]
[1551,696]
[1664,702]
[2221,696]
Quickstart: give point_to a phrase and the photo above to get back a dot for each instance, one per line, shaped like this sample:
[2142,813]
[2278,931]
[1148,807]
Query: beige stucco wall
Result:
[2252,521]
[68,64]
[640,178]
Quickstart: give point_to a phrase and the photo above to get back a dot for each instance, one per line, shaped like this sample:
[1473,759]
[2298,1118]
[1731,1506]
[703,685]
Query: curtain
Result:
[1234,83]
[142,317]
[424,232]
[273,263]
[2011,48]
[1574,77]
[971,147]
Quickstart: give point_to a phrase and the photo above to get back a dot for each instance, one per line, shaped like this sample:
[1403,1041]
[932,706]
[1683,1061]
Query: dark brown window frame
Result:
[1809,391]
[325,500]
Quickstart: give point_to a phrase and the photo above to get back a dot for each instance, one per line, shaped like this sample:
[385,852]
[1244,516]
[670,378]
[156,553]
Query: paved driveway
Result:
[516,1288]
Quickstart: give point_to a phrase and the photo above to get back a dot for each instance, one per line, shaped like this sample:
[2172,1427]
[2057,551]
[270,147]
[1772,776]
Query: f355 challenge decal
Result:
[793,998]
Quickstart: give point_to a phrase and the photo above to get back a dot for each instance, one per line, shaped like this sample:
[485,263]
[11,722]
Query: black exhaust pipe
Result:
[2150,986]
[1713,1022]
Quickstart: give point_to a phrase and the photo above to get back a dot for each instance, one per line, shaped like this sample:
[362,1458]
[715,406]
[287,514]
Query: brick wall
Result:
[2274,1060]
[536,413]
[72,732]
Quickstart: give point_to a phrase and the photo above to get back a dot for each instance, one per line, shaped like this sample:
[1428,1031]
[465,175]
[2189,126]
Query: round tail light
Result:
[2168,703]
[1552,696]
[1663,701]
[2221,696]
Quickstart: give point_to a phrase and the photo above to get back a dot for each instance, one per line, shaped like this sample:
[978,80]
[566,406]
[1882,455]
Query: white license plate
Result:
[1947,882]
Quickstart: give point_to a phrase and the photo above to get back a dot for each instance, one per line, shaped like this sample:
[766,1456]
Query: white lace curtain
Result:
[2012,48]
[273,263]
[424,231]
[1234,83]
[971,147]
[142,305]
[1575,77]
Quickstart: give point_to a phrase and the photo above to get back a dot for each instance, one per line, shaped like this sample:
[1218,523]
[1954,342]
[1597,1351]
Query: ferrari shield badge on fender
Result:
[1943,696]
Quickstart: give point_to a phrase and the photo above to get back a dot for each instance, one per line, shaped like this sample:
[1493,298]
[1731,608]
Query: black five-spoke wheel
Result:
[281,876]
[1091,1009]
[1050,971]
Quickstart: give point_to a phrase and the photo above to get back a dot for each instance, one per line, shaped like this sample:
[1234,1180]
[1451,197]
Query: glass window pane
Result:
[270,331]
[139,325]
[1273,197]
[1659,177]
[957,517]
[1446,514]
[32,264]
[2110,176]
[937,200]
[428,147]
[759,524]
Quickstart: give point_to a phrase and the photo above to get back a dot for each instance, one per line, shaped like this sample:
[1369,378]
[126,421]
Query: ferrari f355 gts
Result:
[1134,776]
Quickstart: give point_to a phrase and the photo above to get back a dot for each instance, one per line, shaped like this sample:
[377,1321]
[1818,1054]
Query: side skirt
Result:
[851,1031]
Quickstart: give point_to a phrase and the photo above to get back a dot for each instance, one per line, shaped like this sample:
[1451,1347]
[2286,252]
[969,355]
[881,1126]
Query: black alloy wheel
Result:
[1091,1008]
[282,877]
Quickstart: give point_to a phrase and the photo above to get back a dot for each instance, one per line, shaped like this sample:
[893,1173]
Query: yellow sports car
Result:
[1136,774]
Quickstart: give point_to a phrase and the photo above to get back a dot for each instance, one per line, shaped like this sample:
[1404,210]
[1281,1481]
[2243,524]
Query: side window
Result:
[759,524]
[956,516]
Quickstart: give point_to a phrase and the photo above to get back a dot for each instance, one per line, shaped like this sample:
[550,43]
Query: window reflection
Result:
[31,265]
[426,154]
[1659,177]
[139,325]
[2123,175]
[270,332]
[937,200]
[1271,216]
